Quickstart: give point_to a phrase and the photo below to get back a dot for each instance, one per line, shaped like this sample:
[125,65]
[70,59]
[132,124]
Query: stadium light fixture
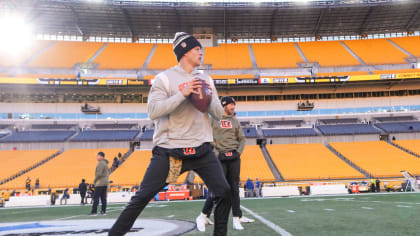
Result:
[15,34]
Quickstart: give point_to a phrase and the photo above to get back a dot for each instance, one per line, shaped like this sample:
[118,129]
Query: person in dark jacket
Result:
[65,197]
[28,183]
[229,143]
[249,187]
[90,192]
[378,185]
[82,191]
[115,163]
[53,197]
[37,183]
[100,183]
[372,185]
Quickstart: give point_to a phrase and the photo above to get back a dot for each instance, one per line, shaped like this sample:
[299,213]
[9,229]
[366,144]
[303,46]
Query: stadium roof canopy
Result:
[227,19]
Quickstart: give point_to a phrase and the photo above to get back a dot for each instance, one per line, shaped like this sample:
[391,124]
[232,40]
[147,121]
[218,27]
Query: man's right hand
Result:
[190,87]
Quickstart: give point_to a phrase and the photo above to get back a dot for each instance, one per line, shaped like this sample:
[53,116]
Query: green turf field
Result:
[367,214]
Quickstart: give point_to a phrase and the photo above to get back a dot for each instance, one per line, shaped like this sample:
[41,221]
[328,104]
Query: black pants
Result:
[372,186]
[82,197]
[206,166]
[53,198]
[232,171]
[100,192]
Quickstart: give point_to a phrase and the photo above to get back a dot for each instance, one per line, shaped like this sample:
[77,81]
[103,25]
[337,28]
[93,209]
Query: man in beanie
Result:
[229,143]
[182,137]
[101,184]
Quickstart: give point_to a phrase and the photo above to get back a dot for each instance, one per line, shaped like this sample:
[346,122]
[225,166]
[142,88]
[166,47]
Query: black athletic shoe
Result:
[103,213]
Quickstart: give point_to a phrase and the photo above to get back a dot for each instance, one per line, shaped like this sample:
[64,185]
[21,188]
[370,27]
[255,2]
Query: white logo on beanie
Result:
[183,44]
[179,38]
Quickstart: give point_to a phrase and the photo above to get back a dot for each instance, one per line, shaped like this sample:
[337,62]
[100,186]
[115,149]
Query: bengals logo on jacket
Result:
[189,151]
[226,124]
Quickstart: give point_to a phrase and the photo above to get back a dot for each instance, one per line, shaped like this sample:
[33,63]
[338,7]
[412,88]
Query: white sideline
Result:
[71,217]
[268,223]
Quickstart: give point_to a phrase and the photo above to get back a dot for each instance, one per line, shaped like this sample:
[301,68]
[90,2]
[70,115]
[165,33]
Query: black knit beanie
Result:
[183,43]
[227,100]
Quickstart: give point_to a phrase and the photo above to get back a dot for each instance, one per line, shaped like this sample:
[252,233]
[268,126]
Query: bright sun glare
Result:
[15,35]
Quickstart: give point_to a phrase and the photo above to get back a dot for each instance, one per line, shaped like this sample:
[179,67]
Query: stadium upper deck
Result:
[60,59]
[278,22]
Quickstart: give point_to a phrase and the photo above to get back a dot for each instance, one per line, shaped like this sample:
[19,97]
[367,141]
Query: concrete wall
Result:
[241,106]
[66,145]
[71,107]
[330,103]
[147,145]
[404,136]
[324,139]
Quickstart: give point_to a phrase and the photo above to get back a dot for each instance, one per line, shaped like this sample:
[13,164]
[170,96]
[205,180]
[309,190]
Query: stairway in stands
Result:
[22,172]
[123,159]
[271,164]
[402,148]
[349,162]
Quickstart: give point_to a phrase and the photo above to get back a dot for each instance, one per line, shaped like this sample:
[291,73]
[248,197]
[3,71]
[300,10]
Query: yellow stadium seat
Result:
[412,145]
[329,53]
[228,56]
[253,165]
[379,158]
[17,59]
[163,58]
[309,161]
[65,55]
[276,55]
[410,44]
[131,172]
[65,170]
[12,162]
[376,51]
[123,56]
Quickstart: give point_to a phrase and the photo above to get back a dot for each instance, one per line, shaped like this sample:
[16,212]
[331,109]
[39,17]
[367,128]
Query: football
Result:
[202,100]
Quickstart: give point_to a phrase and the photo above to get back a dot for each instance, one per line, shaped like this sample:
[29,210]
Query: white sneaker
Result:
[201,222]
[237,224]
[244,219]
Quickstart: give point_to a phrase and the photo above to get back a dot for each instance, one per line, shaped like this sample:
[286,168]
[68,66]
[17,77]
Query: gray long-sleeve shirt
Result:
[228,135]
[178,124]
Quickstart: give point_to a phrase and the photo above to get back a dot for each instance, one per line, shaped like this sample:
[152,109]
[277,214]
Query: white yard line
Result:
[268,223]
[56,206]
[367,208]
[71,217]
[242,199]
